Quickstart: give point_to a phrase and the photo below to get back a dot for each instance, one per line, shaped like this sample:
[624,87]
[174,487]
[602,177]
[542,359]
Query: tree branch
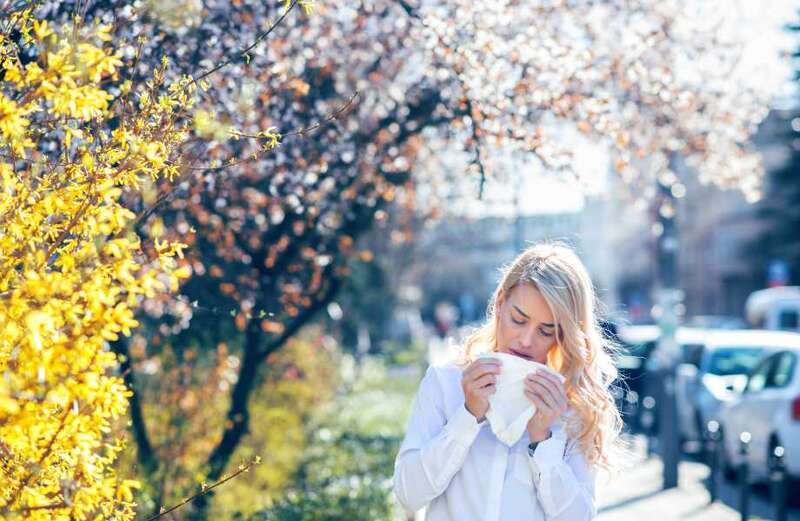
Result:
[243,52]
[206,489]
[237,418]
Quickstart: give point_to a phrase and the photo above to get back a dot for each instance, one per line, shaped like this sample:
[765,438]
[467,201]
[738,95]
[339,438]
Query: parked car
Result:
[693,342]
[714,371]
[768,409]
[716,322]
[775,308]
[638,344]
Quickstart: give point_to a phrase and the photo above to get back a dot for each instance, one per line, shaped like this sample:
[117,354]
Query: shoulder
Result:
[444,376]
[449,370]
[441,385]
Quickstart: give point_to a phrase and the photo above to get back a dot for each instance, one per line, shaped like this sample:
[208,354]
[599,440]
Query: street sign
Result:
[777,273]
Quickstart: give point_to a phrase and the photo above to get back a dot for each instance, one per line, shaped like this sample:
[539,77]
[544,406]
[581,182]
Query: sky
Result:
[539,193]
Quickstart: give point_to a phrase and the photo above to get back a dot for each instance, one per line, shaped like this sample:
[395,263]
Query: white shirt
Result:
[460,470]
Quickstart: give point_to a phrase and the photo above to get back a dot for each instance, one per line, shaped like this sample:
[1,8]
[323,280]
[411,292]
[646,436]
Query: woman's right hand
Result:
[478,382]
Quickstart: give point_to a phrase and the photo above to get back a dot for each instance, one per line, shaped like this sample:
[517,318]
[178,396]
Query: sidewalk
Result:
[636,494]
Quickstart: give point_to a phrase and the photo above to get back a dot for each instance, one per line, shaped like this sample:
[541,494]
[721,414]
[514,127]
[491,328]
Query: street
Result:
[636,493]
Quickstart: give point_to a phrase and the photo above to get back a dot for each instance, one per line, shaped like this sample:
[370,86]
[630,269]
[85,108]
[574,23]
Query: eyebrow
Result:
[526,316]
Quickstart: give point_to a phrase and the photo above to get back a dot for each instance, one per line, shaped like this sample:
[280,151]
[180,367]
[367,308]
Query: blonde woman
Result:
[543,310]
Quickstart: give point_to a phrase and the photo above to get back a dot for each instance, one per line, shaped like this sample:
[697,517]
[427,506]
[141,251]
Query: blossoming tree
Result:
[270,238]
[76,139]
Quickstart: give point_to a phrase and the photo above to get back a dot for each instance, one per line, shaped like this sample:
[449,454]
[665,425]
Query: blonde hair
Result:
[582,354]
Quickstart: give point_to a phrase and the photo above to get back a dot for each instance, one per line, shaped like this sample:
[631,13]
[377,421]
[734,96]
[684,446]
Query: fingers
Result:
[487,391]
[483,381]
[549,390]
[546,395]
[550,381]
[481,367]
[536,395]
[479,381]
[537,401]
[485,364]
[547,376]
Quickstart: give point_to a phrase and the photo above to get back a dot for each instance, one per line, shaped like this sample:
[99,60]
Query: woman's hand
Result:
[550,398]
[478,382]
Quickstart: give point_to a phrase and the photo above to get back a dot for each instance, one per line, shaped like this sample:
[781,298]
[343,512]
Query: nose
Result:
[528,338]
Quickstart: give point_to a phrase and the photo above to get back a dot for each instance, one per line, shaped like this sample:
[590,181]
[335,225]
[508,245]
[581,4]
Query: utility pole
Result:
[668,298]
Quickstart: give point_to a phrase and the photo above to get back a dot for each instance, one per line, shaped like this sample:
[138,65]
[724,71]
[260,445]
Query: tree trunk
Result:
[145,455]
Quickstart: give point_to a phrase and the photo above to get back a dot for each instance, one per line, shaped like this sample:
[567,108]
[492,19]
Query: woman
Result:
[542,310]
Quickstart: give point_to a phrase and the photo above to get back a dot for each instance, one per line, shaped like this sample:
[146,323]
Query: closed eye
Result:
[545,333]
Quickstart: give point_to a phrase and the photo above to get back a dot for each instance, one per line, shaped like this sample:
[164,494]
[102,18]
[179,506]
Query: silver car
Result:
[768,410]
[716,373]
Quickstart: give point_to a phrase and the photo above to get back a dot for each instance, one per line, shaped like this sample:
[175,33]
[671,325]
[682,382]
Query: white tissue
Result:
[509,408]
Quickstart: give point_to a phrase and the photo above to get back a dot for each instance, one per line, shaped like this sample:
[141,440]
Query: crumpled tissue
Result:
[509,408]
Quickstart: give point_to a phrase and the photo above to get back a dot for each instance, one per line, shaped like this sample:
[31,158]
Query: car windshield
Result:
[734,360]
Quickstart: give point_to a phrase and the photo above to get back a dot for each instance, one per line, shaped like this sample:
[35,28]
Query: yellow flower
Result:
[13,124]
[12,71]
[41,29]
[69,276]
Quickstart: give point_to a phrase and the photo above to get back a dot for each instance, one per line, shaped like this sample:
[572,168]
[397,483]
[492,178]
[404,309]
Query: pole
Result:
[712,448]
[778,479]
[668,298]
[744,476]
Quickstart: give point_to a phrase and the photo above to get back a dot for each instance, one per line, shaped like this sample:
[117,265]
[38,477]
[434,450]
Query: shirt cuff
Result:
[548,454]
[462,426]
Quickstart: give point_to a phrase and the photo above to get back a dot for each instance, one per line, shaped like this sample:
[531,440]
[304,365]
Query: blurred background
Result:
[424,145]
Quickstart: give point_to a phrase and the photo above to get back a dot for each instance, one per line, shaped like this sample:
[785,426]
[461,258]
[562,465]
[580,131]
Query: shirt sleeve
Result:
[434,448]
[563,479]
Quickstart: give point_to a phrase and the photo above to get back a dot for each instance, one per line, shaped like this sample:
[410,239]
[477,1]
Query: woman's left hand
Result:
[550,398]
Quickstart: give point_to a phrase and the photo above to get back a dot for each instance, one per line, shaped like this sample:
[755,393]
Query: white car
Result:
[715,370]
[769,410]
[641,341]
[775,308]
[692,342]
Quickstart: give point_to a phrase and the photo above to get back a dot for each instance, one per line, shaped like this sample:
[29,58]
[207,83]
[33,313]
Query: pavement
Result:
[635,493]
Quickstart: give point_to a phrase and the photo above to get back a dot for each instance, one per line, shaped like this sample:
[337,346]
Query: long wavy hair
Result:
[581,353]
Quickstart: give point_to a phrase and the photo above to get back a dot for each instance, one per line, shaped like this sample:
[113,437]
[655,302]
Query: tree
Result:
[78,142]
[779,213]
[71,273]
[272,238]
[779,210]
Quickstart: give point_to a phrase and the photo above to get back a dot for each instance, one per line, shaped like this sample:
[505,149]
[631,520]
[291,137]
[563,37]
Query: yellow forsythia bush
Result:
[74,139]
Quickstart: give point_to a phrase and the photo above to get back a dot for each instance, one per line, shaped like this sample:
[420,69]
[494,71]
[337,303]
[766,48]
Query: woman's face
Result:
[525,324]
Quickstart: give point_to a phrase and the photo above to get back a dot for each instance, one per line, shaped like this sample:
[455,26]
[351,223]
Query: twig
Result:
[476,138]
[412,12]
[166,196]
[206,490]
[328,119]
[299,132]
[40,507]
[247,49]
